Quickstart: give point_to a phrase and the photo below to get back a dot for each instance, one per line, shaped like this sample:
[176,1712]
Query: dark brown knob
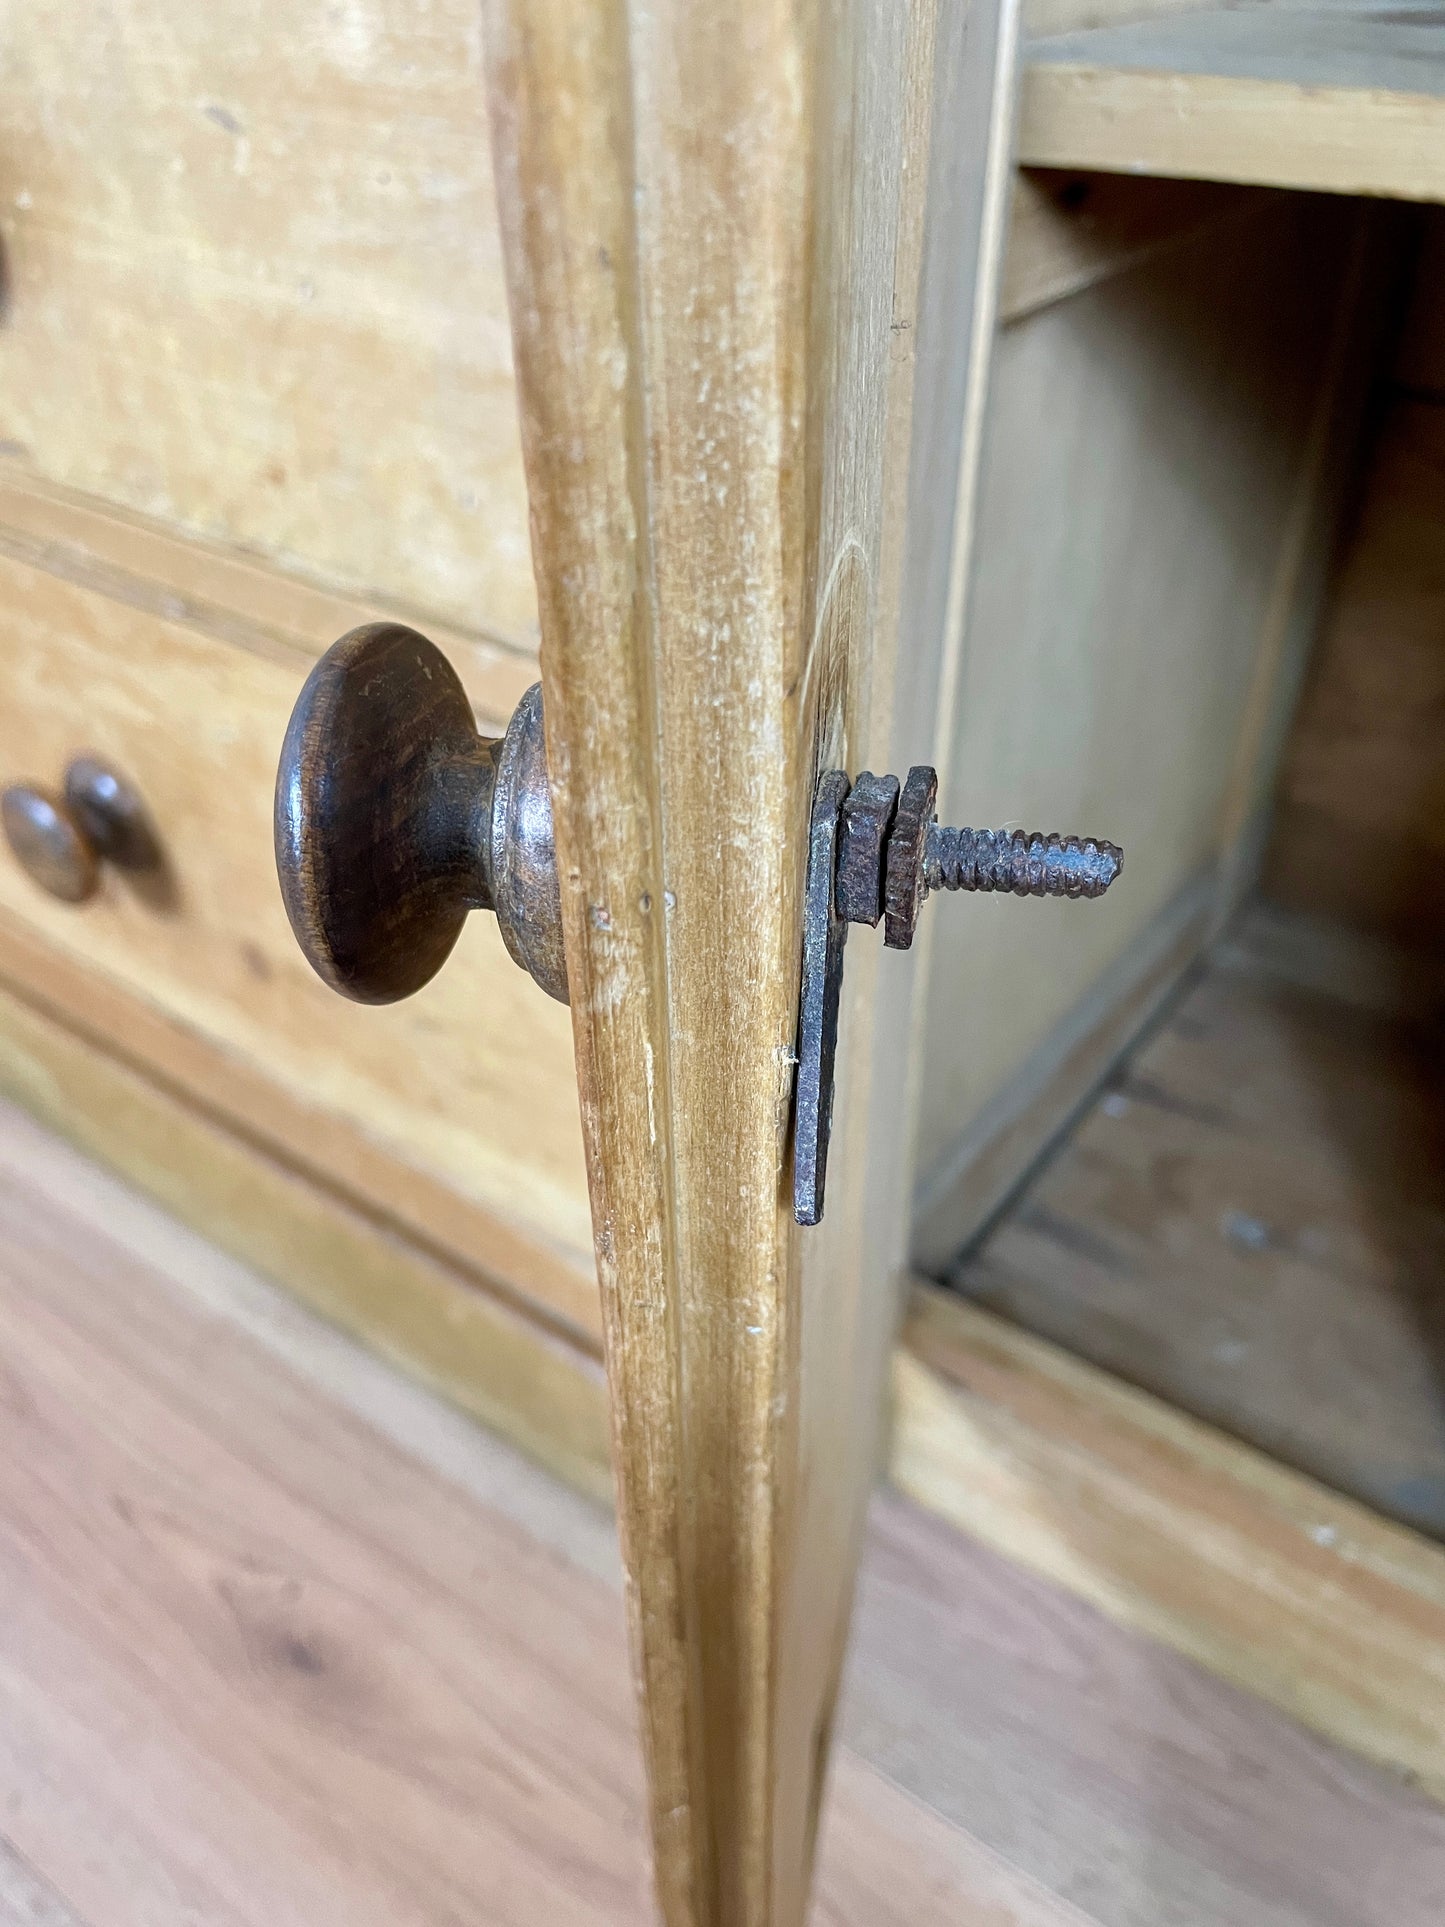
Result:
[394,818]
[60,841]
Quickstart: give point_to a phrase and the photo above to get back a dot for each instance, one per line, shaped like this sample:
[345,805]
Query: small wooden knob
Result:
[394,818]
[60,840]
[48,843]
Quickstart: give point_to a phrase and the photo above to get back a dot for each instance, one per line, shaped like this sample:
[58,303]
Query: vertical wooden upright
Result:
[713,217]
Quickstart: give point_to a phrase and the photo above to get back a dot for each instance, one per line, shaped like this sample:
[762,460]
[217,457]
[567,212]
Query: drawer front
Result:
[454,1114]
[254,285]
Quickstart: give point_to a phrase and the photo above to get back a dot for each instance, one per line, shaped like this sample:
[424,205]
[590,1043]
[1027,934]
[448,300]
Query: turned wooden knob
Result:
[395,817]
[61,840]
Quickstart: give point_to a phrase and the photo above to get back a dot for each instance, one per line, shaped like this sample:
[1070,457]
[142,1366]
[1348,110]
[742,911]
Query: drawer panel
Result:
[455,1113]
[254,285]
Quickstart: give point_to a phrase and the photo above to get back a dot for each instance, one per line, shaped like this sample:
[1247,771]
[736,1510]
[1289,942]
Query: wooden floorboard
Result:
[285,1643]
[25,1899]
[1251,1224]
[1142,1789]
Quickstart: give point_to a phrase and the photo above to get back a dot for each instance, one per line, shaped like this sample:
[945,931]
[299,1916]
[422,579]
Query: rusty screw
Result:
[876,849]
[893,852]
[1026,862]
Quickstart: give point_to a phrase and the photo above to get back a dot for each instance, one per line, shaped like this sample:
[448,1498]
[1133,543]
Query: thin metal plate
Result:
[824,934]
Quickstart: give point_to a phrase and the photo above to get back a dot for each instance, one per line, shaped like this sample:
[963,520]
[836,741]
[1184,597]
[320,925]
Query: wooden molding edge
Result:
[238,597]
[508,1370]
[1078,111]
[1173,1529]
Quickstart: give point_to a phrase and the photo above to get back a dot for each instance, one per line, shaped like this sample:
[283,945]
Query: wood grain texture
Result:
[497,1363]
[1347,98]
[1361,810]
[1069,229]
[1249,1225]
[454,1111]
[230,594]
[28,1900]
[1019,1124]
[1171,1528]
[702,216]
[1153,451]
[383,808]
[254,287]
[1113,1771]
[286,1642]
[273,1658]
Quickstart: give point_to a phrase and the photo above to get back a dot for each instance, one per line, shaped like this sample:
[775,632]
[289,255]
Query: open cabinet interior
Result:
[1245,609]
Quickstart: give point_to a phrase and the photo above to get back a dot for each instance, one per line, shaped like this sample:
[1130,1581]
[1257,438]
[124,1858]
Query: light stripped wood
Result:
[227,592]
[1365,315]
[505,1368]
[1042,17]
[1025,1117]
[253,286]
[1153,459]
[456,1112]
[1359,827]
[703,215]
[27,1900]
[1306,1598]
[1347,98]
[1249,1224]
[1069,229]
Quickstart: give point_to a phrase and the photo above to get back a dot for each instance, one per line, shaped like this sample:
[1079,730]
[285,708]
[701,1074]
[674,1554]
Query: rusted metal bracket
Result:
[876,849]
[824,935]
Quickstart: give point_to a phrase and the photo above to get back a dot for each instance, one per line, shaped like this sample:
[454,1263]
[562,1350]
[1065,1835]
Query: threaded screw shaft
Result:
[1024,862]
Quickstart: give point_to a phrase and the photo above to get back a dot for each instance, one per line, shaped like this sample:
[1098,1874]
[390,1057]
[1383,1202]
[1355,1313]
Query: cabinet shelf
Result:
[1349,98]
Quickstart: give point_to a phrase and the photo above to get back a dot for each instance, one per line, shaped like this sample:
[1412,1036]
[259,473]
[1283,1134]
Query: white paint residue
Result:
[651,1093]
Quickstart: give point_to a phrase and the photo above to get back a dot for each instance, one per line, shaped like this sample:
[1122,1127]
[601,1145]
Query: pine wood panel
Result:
[1169,1527]
[253,286]
[1348,98]
[230,593]
[1249,1225]
[711,301]
[493,1361]
[1358,834]
[1069,229]
[465,1093]
[1152,494]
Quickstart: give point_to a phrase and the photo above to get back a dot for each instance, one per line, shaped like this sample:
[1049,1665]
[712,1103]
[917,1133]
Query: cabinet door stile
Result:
[712,220]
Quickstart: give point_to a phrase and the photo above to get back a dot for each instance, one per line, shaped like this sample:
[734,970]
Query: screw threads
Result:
[1024,862]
